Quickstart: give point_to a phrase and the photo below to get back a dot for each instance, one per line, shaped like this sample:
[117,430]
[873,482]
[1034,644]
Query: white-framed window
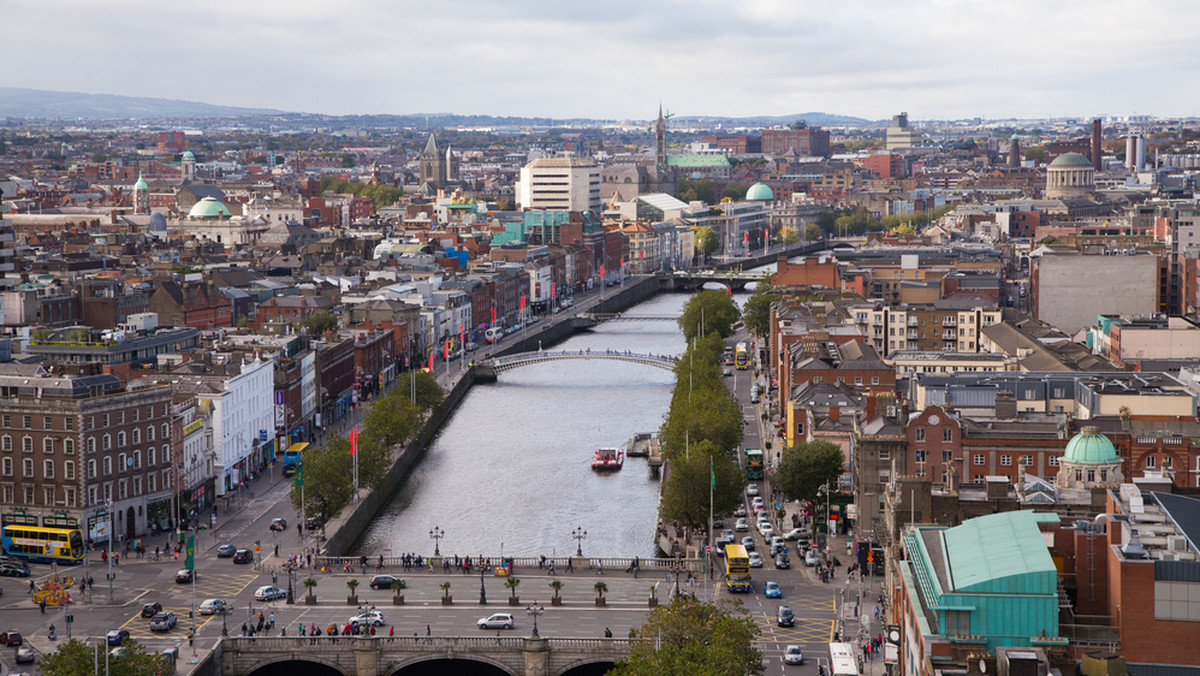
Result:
[47,445]
[137,485]
[152,481]
[47,469]
[948,434]
[6,466]
[91,469]
[121,439]
[166,430]
[5,443]
[920,434]
[1027,460]
[980,459]
[47,422]
[151,456]
[919,456]
[27,444]
[1149,461]
[69,495]
[108,493]
[149,432]
[166,452]
[48,495]
[27,468]
[122,462]
[108,466]
[1006,460]
[69,470]
[69,445]
[137,459]
[122,490]
[1053,462]
[107,442]
[136,436]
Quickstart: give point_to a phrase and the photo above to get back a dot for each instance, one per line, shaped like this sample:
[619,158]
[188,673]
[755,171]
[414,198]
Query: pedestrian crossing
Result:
[211,586]
[806,630]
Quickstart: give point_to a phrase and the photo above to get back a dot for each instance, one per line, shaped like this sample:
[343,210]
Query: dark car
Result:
[11,638]
[226,551]
[278,524]
[149,609]
[782,562]
[13,570]
[383,581]
[115,636]
[243,556]
[784,617]
[185,575]
[314,523]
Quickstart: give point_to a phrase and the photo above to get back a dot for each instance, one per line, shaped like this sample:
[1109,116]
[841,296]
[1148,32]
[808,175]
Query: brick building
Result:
[814,142]
[198,305]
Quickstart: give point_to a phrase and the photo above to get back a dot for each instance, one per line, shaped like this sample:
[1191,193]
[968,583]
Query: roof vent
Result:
[1133,549]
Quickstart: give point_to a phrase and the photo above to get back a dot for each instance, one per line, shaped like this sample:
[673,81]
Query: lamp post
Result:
[437,534]
[224,623]
[534,611]
[112,531]
[291,578]
[482,589]
[580,535]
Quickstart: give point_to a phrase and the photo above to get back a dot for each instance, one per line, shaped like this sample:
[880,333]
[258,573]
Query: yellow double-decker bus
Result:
[741,357]
[737,568]
[36,543]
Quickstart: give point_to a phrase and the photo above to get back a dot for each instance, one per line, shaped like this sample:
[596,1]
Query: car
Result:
[117,652]
[740,511]
[784,617]
[726,537]
[212,607]
[151,609]
[756,560]
[25,655]
[115,636]
[383,581]
[185,575]
[14,570]
[766,530]
[756,500]
[163,621]
[748,543]
[760,508]
[754,399]
[778,545]
[11,638]
[728,361]
[793,655]
[798,534]
[782,562]
[772,591]
[810,559]
[741,525]
[718,524]
[278,523]
[243,556]
[269,593]
[497,621]
[752,489]
[371,617]
[314,523]
[226,551]
[726,372]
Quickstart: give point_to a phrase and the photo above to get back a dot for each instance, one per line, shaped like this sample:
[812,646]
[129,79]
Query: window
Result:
[7,420]
[136,413]
[166,481]
[1053,461]
[69,446]
[1091,473]
[1150,461]
[6,443]
[920,456]
[69,423]
[151,456]
[122,489]
[958,623]
[27,444]
[104,420]
[121,439]
[120,417]
[166,449]
[149,432]
[69,499]
[166,430]
[920,436]
[947,455]
[91,445]
[92,496]
[108,466]
[121,462]
[47,445]
[108,491]
[47,422]
[48,469]
[9,494]
[28,420]
[885,454]
[107,442]
[27,468]
[948,434]
[29,495]
[1006,460]
[137,485]
[136,436]
[1166,461]
[137,459]
[91,469]
[151,481]
[857,380]
[6,466]
[1027,460]
[69,470]
[979,459]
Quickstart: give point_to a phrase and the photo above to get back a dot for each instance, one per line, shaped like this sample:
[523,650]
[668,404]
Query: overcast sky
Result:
[618,58]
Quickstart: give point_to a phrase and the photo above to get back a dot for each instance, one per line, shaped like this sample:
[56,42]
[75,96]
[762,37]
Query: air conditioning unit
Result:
[1167,556]
[1177,543]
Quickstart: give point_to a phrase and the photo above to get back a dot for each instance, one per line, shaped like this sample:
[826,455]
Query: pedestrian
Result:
[607,632]
[42,605]
[191,637]
[391,631]
[277,550]
[91,582]
[428,631]
[271,621]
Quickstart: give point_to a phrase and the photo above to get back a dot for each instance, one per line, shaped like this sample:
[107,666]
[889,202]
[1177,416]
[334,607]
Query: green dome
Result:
[759,192]
[209,207]
[141,184]
[1071,160]
[1016,138]
[1089,447]
[186,156]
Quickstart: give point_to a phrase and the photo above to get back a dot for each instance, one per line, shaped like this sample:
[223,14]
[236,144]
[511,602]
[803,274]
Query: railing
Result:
[274,644]
[391,564]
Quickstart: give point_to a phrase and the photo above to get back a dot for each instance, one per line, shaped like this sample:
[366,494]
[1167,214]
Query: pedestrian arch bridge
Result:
[413,655]
[490,368]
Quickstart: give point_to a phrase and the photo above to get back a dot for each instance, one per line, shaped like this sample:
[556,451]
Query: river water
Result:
[511,470]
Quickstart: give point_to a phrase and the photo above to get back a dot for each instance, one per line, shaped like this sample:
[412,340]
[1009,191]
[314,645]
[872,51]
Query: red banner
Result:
[353,440]
[522,302]
[431,360]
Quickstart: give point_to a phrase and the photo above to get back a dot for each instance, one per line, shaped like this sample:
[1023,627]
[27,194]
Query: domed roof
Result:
[1015,137]
[1089,447]
[209,207]
[187,155]
[141,184]
[759,192]
[1071,160]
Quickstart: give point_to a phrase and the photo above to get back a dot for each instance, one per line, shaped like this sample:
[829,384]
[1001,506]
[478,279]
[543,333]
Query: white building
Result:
[559,183]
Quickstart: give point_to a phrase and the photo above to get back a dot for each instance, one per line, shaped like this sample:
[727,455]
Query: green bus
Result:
[754,464]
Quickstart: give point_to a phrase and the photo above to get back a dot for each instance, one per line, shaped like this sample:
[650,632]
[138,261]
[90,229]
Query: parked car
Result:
[726,538]
[772,590]
[497,621]
[25,655]
[797,534]
[784,617]
[269,593]
[184,575]
[151,609]
[383,581]
[243,556]
[11,638]
[756,560]
[163,621]
[371,617]
[226,551]
[15,570]
[115,636]
[793,655]
[766,530]
[212,606]
[278,523]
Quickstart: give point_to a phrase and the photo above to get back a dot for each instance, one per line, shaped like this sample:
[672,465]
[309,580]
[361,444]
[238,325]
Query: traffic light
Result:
[870,557]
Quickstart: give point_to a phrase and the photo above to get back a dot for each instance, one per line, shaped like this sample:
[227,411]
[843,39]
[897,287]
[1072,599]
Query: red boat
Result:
[608,458]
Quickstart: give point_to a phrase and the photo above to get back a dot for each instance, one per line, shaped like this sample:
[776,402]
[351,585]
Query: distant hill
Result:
[18,102]
[813,119]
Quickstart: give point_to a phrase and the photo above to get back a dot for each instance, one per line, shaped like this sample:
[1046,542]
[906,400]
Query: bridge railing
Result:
[582,354]
[521,564]
[416,643]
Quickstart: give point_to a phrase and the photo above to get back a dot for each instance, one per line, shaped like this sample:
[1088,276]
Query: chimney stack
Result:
[1096,149]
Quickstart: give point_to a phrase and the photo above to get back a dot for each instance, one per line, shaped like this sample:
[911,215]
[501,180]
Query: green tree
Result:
[702,190]
[807,466]
[429,394]
[76,658]
[757,311]
[813,232]
[706,241]
[705,414]
[686,494]
[694,637]
[328,479]
[319,322]
[717,310]
[348,160]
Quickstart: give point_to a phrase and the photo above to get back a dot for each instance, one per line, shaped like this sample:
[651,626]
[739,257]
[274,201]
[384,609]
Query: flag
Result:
[712,474]
[190,562]
[622,262]
[766,237]
[746,237]
[353,440]
[522,302]
[446,349]
[431,360]
[552,290]
[299,480]
[602,271]
[493,315]
[462,332]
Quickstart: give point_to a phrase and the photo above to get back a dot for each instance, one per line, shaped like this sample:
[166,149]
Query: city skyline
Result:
[539,58]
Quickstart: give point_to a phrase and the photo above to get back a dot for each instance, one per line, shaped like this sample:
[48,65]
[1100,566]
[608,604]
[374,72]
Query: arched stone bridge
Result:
[735,280]
[490,368]
[398,655]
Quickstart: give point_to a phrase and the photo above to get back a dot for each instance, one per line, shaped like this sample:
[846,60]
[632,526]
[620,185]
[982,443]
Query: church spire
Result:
[660,140]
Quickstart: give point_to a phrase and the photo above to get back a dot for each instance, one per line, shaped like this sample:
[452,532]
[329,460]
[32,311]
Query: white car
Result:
[798,534]
[269,593]
[756,560]
[752,490]
[756,500]
[766,530]
[211,606]
[497,621]
[370,617]
[741,526]
[810,559]
[793,655]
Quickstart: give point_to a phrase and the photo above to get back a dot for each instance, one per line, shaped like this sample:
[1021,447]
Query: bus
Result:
[842,660]
[737,568]
[741,357]
[292,457]
[45,545]
[754,464]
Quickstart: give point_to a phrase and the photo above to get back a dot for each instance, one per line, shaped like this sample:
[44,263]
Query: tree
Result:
[429,394]
[393,420]
[328,479]
[813,232]
[310,583]
[695,637]
[717,310]
[348,160]
[807,466]
[757,311]
[706,241]
[76,658]
[701,190]
[319,322]
[693,476]
[557,586]
[706,414]
[512,583]
[601,589]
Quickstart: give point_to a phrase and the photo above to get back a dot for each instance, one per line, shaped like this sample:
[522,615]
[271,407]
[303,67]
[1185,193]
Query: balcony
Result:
[949,321]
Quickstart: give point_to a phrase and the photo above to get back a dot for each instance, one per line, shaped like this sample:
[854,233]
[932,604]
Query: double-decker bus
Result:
[737,568]
[741,357]
[754,464]
[46,545]
[842,660]
[292,457]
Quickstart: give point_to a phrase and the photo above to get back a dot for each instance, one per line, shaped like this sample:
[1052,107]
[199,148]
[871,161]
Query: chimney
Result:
[871,406]
[1096,149]
[835,414]
[1006,405]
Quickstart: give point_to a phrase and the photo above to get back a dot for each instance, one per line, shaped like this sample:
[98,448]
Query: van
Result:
[493,334]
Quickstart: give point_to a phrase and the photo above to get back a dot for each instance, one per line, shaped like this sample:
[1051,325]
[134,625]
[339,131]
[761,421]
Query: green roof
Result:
[1071,160]
[209,207]
[760,192]
[141,184]
[1089,447]
[697,161]
[187,155]
[1000,553]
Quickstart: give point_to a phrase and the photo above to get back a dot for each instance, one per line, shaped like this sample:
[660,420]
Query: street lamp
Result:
[224,623]
[437,534]
[580,535]
[482,589]
[534,611]
[112,531]
[291,578]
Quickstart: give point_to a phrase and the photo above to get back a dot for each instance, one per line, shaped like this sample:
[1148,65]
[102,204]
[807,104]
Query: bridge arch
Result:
[436,665]
[588,667]
[288,666]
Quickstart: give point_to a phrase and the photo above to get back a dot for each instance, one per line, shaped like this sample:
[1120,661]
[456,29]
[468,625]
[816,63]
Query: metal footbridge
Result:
[497,365]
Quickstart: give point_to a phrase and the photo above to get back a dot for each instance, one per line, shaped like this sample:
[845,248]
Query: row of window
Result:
[136,413]
[947,434]
[131,461]
[155,481]
[48,444]
[50,495]
[7,467]
[980,459]
[106,440]
[47,422]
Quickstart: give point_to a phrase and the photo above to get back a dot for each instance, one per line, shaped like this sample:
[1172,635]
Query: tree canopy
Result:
[694,637]
[757,312]
[319,322]
[714,309]
[706,241]
[76,658]
[805,467]
[703,468]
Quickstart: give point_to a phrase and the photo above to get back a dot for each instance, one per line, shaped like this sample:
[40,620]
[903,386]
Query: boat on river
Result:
[608,458]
